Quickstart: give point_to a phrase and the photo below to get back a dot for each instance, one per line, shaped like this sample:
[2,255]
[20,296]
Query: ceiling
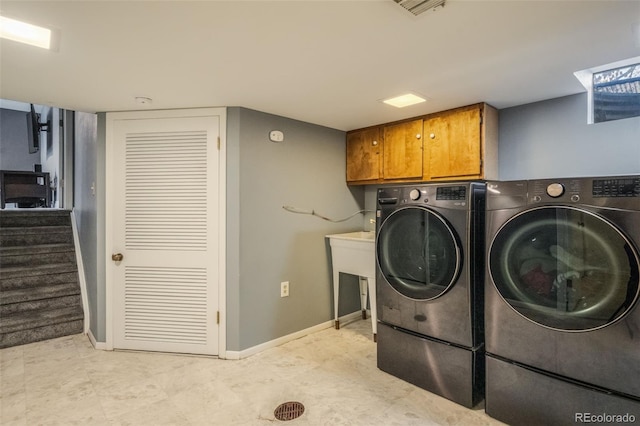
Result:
[323,62]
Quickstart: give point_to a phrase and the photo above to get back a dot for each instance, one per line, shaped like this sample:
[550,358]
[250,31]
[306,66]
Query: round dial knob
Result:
[414,194]
[555,190]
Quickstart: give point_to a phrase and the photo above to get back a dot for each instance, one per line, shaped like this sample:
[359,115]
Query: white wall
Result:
[50,150]
[14,149]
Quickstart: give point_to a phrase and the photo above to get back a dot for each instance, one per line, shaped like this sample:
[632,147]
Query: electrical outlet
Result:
[284,289]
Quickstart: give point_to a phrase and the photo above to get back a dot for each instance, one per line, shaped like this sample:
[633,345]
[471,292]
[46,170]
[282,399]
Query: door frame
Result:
[110,170]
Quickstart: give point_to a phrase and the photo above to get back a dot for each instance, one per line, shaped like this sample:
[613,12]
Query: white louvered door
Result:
[165,207]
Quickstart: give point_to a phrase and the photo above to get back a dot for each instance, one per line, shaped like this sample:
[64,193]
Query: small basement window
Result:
[613,90]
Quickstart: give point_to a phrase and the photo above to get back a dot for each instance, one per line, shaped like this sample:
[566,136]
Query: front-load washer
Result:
[429,252]
[562,318]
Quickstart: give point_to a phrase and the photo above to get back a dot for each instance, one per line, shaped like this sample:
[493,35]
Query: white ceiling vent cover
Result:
[418,6]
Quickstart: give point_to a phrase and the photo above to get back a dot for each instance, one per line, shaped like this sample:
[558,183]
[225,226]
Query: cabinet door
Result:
[363,155]
[403,150]
[452,144]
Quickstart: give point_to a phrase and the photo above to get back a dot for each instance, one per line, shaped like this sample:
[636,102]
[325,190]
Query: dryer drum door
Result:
[564,268]
[418,253]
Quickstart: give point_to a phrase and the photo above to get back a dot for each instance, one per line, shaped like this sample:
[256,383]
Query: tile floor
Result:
[332,372]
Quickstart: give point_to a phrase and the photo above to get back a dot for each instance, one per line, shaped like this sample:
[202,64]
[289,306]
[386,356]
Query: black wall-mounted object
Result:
[34,127]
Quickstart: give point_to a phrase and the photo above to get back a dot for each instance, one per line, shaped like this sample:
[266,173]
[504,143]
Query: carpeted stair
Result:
[39,288]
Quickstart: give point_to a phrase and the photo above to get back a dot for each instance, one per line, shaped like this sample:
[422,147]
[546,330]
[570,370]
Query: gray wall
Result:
[266,244]
[88,158]
[14,149]
[552,139]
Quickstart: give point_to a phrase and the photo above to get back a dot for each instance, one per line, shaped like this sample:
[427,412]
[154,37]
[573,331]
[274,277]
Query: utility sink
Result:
[355,236]
[354,253]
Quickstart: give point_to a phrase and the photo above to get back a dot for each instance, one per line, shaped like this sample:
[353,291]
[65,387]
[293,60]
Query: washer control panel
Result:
[555,190]
[614,188]
[454,196]
[451,193]
[615,191]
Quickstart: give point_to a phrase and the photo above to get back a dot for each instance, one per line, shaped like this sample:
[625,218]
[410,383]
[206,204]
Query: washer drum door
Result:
[418,253]
[564,268]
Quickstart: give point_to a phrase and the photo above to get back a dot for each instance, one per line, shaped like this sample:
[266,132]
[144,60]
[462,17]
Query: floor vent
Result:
[418,6]
[289,411]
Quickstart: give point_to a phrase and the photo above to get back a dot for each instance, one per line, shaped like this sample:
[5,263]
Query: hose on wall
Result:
[297,210]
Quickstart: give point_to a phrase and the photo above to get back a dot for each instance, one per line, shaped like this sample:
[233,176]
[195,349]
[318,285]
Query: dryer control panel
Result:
[613,192]
[625,187]
[452,196]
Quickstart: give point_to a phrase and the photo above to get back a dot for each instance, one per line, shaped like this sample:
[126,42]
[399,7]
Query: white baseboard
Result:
[81,276]
[96,345]
[235,355]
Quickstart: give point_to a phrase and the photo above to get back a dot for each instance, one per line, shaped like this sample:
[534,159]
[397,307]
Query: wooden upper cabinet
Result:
[453,144]
[363,155]
[459,144]
[402,150]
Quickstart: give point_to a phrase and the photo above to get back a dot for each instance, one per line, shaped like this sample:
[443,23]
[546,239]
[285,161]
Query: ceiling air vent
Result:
[418,6]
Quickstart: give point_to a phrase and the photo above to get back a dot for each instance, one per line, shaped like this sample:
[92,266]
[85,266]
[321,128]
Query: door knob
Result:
[117,257]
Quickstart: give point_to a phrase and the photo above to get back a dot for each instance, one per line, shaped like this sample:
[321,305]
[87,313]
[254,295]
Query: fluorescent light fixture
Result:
[404,100]
[22,32]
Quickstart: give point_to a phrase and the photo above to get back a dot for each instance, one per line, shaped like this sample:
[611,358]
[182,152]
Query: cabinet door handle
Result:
[374,143]
[418,136]
[432,135]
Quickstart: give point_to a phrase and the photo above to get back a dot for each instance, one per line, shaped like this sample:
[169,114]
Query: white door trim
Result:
[109,220]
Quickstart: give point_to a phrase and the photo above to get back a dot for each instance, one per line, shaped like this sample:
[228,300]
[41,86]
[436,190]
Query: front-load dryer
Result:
[429,251]
[561,302]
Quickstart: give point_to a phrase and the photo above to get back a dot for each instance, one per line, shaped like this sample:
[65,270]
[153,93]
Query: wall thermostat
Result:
[276,136]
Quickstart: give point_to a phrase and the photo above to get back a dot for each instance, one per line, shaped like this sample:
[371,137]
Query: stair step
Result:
[25,295]
[14,237]
[36,249]
[24,282]
[23,321]
[42,305]
[37,255]
[51,331]
[39,285]
[35,271]
[30,218]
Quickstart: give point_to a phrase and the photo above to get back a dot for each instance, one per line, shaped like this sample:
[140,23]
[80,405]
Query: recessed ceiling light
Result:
[404,100]
[22,32]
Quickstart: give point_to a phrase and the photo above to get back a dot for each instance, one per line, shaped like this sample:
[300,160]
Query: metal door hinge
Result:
[218,143]
[218,317]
